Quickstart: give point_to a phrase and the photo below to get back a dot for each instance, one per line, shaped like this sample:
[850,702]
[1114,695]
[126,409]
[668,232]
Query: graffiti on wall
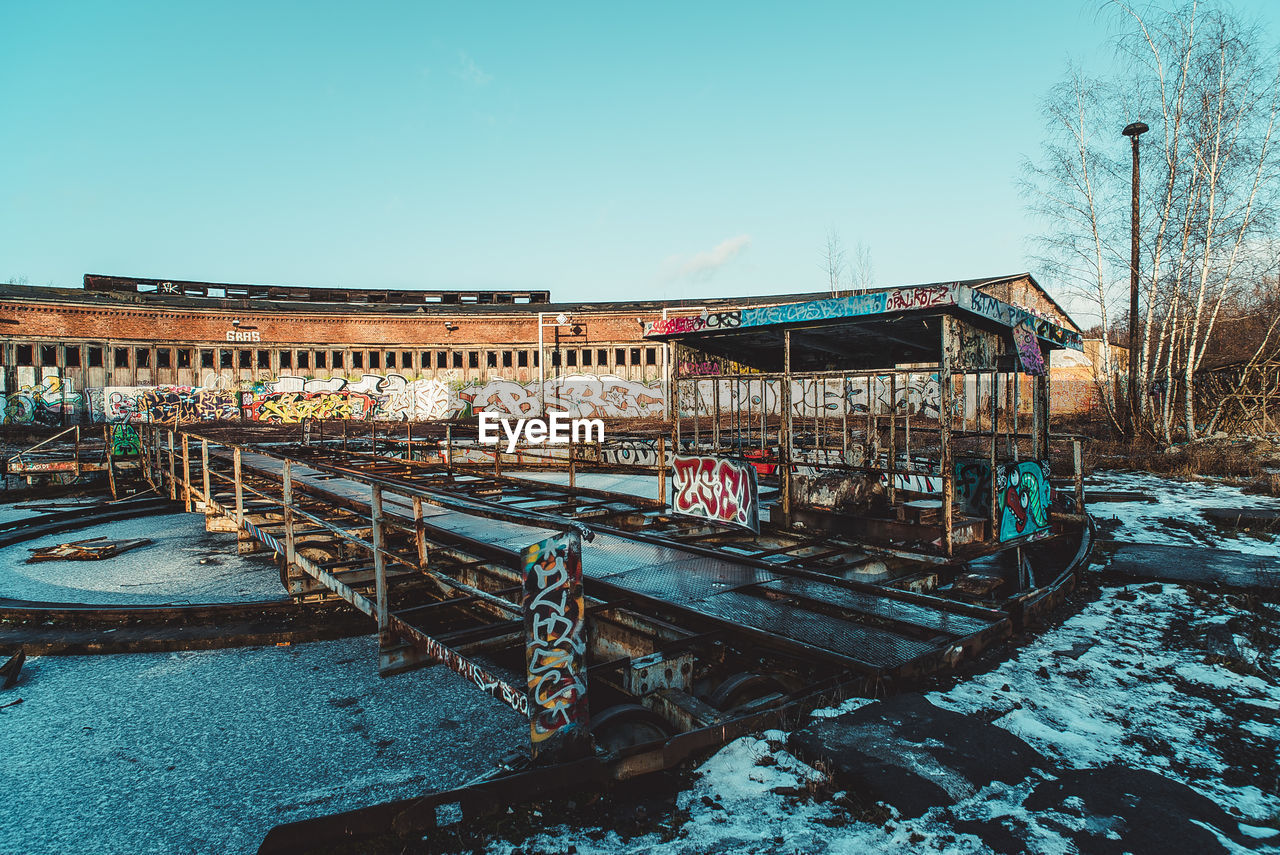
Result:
[973,487]
[144,404]
[1027,346]
[971,349]
[911,394]
[1025,496]
[125,441]
[286,408]
[1011,316]
[716,488]
[47,402]
[555,649]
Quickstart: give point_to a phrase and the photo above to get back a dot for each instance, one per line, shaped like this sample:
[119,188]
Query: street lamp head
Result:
[1135,129]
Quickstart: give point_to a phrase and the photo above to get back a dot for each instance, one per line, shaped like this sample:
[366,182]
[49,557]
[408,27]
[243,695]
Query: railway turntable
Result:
[855,504]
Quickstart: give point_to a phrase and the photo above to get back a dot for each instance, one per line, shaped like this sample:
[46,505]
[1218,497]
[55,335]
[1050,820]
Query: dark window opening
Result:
[537,357]
[95,357]
[320,359]
[375,359]
[522,359]
[457,359]
[442,359]
[264,359]
[73,356]
[304,359]
[48,354]
[338,359]
[184,357]
[555,359]
[164,358]
[602,357]
[357,359]
[573,358]
[225,359]
[143,357]
[620,356]
[286,359]
[206,359]
[425,359]
[506,359]
[246,359]
[391,359]
[121,357]
[635,356]
[491,359]
[586,358]
[650,356]
[473,359]
[406,359]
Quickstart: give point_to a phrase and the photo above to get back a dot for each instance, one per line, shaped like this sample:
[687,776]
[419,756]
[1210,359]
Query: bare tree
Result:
[833,260]
[1210,90]
[862,272]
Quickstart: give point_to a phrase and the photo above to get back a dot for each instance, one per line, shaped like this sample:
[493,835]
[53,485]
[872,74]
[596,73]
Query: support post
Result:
[235,469]
[784,439]
[204,470]
[173,473]
[1077,457]
[893,438]
[993,500]
[662,470]
[945,394]
[448,447]
[289,550]
[186,473]
[380,571]
[420,533]
[111,459]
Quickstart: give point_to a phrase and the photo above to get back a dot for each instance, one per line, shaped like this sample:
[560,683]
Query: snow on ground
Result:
[206,751]
[1176,514]
[184,564]
[31,508]
[634,484]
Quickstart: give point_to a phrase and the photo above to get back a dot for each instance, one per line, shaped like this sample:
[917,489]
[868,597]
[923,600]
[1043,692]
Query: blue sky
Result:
[603,151]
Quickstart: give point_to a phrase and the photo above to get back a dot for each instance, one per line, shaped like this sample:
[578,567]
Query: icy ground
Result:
[1176,514]
[204,752]
[1155,676]
[184,564]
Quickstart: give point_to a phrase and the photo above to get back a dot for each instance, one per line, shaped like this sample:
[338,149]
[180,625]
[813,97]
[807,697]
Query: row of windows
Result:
[26,354]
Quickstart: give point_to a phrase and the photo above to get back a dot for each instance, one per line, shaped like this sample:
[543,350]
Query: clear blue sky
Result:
[603,151]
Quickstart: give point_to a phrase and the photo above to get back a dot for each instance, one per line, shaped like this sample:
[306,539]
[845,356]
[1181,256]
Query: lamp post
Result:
[1133,131]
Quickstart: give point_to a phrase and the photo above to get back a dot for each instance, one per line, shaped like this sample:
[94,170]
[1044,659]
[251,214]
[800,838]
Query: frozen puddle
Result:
[183,564]
[206,751]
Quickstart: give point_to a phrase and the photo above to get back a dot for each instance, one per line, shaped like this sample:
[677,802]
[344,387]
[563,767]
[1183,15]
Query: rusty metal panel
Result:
[555,647]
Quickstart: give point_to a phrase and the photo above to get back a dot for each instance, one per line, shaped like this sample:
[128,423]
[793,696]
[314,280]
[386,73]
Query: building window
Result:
[246,359]
[337,359]
[425,359]
[72,355]
[304,359]
[619,356]
[143,357]
[286,359]
[391,359]
[264,359]
[121,358]
[555,358]
[537,357]
[164,358]
[635,356]
[320,359]
[357,359]
[586,358]
[457,359]
[491,359]
[442,359]
[506,359]
[95,357]
[573,358]
[375,359]
[184,357]
[602,357]
[206,359]
[473,359]
[224,359]
[650,356]
[406,359]
[48,354]
[522,358]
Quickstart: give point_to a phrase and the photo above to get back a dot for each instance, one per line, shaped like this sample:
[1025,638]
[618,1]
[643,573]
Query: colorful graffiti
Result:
[125,441]
[286,408]
[1027,346]
[555,649]
[716,488]
[144,404]
[48,402]
[912,394]
[1025,496]
[871,303]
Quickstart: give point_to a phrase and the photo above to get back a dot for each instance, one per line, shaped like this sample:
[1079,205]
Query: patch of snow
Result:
[184,564]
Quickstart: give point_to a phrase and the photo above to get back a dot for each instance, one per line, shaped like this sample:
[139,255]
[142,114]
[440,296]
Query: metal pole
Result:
[420,533]
[186,473]
[379,569]
[662,470]
[784,428]
[289,552]
[204,471]
[235,463]
[1133,131]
